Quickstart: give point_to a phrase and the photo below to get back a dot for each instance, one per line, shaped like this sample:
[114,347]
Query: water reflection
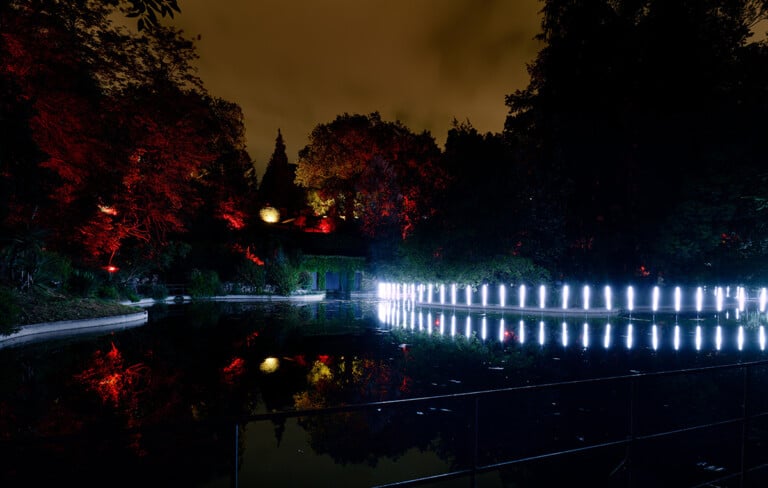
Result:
[646,331]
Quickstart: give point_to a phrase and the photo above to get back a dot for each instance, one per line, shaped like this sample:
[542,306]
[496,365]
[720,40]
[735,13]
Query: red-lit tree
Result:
[361,168]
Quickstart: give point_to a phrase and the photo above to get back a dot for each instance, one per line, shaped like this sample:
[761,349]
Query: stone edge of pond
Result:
[46,329]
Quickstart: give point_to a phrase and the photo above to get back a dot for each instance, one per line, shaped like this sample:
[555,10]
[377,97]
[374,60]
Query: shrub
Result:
[282,276]
[9,312]
[251,275]
[82,283]
[204,283]
[108,292]
[158,291]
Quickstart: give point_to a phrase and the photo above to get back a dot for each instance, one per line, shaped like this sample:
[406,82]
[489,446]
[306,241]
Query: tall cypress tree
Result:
[278,188]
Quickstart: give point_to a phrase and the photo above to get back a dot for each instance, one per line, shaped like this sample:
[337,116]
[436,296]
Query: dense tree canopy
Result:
[361,168]
[631,106]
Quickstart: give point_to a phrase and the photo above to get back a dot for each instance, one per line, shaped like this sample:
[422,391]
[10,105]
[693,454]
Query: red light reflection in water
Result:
[117,385]
[233,370]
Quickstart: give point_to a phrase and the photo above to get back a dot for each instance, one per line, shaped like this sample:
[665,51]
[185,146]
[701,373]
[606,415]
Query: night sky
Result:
[295,64]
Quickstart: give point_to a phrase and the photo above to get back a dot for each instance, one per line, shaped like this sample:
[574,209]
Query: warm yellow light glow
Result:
[107,210]
[269,365]
[269,215]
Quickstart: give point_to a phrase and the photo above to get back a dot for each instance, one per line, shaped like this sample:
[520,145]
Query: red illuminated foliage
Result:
[360,168]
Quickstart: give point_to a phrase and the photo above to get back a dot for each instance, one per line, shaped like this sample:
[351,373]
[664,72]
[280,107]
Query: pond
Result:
[204,395]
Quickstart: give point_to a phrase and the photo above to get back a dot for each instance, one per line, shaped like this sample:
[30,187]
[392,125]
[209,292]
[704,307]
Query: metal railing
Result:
[732,388]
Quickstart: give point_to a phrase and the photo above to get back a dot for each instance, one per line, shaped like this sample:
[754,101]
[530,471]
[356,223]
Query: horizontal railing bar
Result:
[476,393]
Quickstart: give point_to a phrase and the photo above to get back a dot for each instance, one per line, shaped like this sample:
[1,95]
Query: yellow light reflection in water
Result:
[269,365]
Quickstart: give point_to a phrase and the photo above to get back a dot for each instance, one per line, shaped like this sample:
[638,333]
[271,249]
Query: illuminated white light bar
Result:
[522,296]
[719,298]
[453,293]
[762,338]
[566,290]
[742,298]
[469,295]
[502,295]
[630,298]
[442,294]
[484,292]
[608,298]
[655,300]
[429,293]
[699,298]
[763,298]
[677,299]
[542,295]
[586,298]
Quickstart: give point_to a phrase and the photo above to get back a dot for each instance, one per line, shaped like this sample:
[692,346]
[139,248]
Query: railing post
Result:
[237,443]
[475,436]
[745,418]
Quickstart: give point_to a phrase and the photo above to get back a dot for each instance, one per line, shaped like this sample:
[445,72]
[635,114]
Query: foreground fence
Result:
[691,427]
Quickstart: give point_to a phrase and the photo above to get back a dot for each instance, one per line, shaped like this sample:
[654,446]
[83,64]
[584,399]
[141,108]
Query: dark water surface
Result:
[172,402]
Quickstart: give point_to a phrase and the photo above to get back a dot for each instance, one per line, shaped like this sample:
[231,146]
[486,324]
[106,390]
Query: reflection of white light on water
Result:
[629,336]
[565,296]
[742,297]
[655,337]
[429,323]
[585,297]
[542,295]
[502,295]
[453,325]
[565,334]
[655,299]
[698,338]
[501,330]
[413,319]
[677,299]
[741,337]
[541,333]
[719,298]
[421,321]
[677,338]
[468,332]
[762,338]
[522,296]
[699,298]
[442,324]
[483,330]
[521,332]
[453,293]
[718,337]
[469,295]
[269,365]
[607,338]
[585,336]
[630,298]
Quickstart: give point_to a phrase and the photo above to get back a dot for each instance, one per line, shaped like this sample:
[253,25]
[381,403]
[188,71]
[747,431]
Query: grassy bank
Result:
[34,309]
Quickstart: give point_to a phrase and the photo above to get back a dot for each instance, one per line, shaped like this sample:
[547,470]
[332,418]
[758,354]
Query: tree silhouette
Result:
[278,188]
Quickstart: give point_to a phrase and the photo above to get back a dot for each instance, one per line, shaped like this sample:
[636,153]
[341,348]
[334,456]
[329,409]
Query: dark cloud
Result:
[292,64]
